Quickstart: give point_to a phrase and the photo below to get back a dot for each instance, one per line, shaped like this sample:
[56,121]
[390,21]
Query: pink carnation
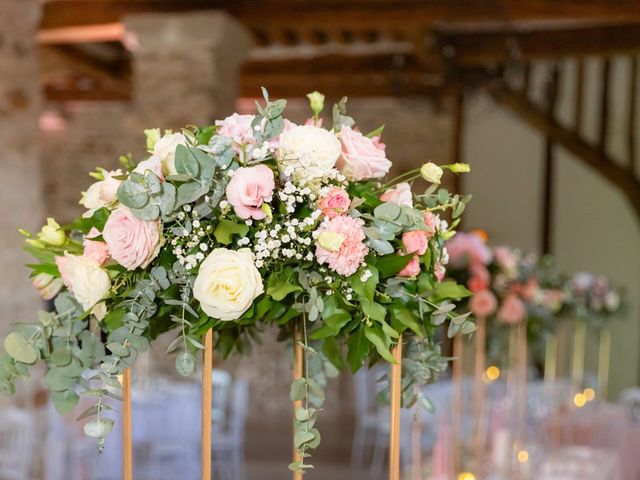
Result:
[334,203]
[466,248]
[361,158]
[512,310]
[483,303]
[96,250]
[248,189]
[347,258]
[132,242]
[400,195]
[411,269]
[415,242]
[238,128]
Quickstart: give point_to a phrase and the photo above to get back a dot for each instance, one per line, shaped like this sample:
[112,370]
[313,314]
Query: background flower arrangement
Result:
[253,221]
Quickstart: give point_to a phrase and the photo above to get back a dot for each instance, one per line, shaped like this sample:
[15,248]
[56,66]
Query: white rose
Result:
[431,172]
[165,148]
[227,283]
[311,151]
[86,281]
[102,193]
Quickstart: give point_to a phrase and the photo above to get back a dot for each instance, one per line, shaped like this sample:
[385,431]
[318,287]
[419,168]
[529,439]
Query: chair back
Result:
[630,400]
[366,388]
[239,406]
[17,438]
[221,386]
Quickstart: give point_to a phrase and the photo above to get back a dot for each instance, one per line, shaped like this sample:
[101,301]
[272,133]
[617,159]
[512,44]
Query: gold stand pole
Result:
[205,441]
[297,374]
[577,364]
[562,342]
[522,384]
[458,354]
[127,445]
[396,400]
[604,360]
[416,443]
[480,367]
[550,358]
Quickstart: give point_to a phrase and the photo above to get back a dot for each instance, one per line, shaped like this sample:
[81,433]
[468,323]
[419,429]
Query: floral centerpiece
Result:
[253,221]
[592,298]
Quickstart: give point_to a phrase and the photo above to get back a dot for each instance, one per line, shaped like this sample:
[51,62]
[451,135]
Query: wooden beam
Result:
[604,104]
[632,111]
[579,96]
[594,158]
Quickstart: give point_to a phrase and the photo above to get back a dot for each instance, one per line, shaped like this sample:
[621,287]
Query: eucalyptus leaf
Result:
[16,346]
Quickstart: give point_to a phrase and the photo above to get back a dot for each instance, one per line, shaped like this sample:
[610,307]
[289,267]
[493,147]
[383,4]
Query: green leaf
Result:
[65,401]
[279,287]
[373,310]
[387,211]
[301,437]
[98,428]
[331,350]
[227,228]
[379,340]
[185,162]
[16,346]
[359,347]
[133,194]
[390,265]
[298,389]
[406,318]
[450,289]
[185,364]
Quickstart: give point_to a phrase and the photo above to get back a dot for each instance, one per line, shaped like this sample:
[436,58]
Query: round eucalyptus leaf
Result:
[98,428]
[132,194]
[387,211]
[16,346]
[65,401]
[185,364]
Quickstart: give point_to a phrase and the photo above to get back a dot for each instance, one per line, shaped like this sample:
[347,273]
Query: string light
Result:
[466,476]
[492,373]
[523,456]
[579,400]
[589,394]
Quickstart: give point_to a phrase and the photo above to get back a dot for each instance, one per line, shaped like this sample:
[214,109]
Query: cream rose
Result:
[102,193]
[310,152]
[165,149]
[86,281]
[431,172]
[227,283]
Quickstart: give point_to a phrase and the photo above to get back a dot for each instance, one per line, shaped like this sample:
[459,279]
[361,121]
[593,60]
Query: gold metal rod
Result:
[207,387]
[604,361]
[522,383]
[480,367]
[577,365]
[298,366]
[395,404]
[458,364]
[416,442]
[562,340]
[127,445]
[550,358]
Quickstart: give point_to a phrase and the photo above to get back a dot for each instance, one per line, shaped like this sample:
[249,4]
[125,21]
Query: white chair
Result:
[228,443]
[221,385]
[17,442]
[630,400]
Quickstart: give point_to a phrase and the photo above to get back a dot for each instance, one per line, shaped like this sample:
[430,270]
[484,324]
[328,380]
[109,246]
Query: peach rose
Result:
[248,189]
[512,310]
[96,250]
[483,303]
[361,158]
[411,269]
[415,242]
[132,242]
[334,203]
[430,222]
[400,194]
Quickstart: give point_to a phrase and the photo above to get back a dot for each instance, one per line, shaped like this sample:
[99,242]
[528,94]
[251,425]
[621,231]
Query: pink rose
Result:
[313,122]
[400,195]
[466,248]
[151,164]
[512,310]
[238,128]
[483,303]
[361,158]
[132,242]
[415,242]
[248,189]
[378,144]
[109,186]
[479,278]
[430,222]
[411,269]
[98,251]
[439,271]
[336,202]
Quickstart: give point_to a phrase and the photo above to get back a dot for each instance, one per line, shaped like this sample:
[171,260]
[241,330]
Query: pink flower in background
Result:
[47,285]
[411,269]
[512,310]
[483,303]
[151,164]
[238,128]
[349,254]
[553,299]
[400,194]
[528,290]
[506,258]
[132,242]
[467,248]
[430,222]
[439,271]
[479,278]
[415,242]
[248,189]
[361,158]
[96,250]
[334,203]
